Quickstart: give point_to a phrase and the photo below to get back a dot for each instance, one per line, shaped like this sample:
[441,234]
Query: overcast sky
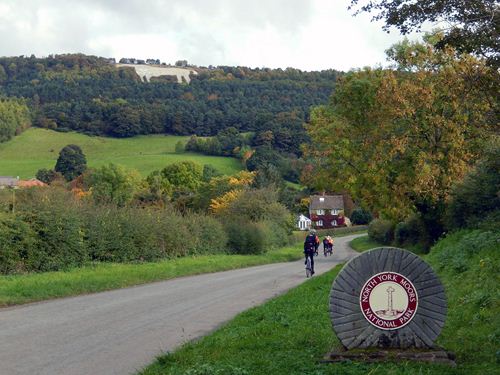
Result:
[304,34]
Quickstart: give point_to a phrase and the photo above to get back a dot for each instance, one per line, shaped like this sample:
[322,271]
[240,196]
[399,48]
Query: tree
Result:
[47,175]
[113,184]
[184,175]
[473,26]
[397,140]
[71,162]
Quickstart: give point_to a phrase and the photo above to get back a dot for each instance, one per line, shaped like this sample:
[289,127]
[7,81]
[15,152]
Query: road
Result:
[121,331]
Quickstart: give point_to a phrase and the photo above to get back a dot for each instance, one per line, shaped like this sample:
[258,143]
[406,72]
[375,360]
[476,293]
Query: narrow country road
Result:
[121,331]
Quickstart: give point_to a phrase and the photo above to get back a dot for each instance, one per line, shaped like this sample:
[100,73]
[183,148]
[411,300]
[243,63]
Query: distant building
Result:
[9,182]
[33,182]
[327,211]
[304,223]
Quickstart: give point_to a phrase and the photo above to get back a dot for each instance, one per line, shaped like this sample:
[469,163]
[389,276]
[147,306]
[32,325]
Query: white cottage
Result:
[304,223]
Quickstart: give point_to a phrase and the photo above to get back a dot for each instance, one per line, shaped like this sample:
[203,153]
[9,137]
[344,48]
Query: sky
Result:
[303,34]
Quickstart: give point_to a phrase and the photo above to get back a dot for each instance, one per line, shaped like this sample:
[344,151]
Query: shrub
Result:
[477,196]
[246,237]
[16,241]
[360,216]
[381,231]
[411,232]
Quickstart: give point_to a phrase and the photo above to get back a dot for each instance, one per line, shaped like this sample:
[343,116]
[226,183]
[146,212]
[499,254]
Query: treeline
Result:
[14,118]
[90,95]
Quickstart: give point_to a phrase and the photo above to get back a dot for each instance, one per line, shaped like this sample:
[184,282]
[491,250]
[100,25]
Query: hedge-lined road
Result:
[120,331]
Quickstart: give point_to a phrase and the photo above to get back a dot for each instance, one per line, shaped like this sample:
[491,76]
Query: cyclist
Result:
[328,245]
[311,244]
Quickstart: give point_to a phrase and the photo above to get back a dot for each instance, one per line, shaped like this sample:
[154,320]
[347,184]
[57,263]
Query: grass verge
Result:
[290,334]
[18,289]
[363,243]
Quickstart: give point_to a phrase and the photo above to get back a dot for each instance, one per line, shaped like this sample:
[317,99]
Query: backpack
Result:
[310,242]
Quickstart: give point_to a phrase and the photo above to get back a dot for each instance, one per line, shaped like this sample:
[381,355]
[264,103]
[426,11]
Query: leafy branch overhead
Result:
[470,26]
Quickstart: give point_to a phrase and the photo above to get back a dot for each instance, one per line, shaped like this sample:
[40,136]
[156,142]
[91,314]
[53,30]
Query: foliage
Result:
[71,162]
[412,231]
[381,231]
[112,184]
[472,200]
[15,117]
[360,216]
[473,23]
[397,140]
[183,175]
[16,237]
[47,175]
[51,229]
[87,94]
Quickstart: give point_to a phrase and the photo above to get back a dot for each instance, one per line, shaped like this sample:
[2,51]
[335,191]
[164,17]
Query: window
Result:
[334,223]
[319,223]
[321,199]
[320,212]
[335,211]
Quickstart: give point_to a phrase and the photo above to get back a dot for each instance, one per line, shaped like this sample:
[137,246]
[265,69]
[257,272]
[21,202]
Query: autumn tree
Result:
[399,139]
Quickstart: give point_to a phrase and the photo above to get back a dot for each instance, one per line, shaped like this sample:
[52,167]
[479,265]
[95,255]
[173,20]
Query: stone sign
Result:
[387,298]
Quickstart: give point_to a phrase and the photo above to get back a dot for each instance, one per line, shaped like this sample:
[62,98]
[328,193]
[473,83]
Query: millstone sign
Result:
[387,298]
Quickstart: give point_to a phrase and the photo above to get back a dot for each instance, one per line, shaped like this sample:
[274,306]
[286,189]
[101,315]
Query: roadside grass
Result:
[291,334]
[39,148]
[364,243]
[19,289]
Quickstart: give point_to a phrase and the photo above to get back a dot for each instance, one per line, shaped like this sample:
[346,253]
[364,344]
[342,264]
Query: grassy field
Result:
[18,289]
[39,148]
[291,334]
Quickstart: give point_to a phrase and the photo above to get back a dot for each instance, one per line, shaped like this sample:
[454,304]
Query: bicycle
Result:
[308,267]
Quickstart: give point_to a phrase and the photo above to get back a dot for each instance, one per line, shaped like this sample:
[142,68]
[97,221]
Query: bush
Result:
[246,237]
[381,231]
[477,196]
[360,217]
[411,232]
[16,241]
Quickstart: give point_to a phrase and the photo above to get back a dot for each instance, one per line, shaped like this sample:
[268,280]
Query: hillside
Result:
[89,95]
[39,148]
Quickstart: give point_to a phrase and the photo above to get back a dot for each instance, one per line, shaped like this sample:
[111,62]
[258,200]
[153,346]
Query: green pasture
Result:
[38,148]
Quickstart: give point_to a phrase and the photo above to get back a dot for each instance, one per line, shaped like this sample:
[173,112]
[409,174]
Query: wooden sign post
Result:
[388,298]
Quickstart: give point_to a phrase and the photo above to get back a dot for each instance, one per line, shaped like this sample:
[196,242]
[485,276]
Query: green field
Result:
[39,148]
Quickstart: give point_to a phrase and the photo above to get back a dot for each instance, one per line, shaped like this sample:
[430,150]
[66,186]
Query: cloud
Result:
[307,34]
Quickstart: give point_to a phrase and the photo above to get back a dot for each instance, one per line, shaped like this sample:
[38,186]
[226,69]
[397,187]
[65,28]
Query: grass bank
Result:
[39,148]
[19,289]
[290,334]
[363,243]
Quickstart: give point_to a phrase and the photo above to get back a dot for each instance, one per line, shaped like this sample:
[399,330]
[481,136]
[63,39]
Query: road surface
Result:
[121,331]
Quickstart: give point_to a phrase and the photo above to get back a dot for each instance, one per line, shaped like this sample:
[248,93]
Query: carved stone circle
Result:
[387,297]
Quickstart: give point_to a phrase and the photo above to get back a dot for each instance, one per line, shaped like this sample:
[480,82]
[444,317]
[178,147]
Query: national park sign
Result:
[387,298]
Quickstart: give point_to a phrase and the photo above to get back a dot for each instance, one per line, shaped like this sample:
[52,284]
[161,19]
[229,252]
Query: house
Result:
[327,211]
[33,182]
[304,223]
[9,182]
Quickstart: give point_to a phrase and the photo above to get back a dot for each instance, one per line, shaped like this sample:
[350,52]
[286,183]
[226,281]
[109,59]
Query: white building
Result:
[304,223]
